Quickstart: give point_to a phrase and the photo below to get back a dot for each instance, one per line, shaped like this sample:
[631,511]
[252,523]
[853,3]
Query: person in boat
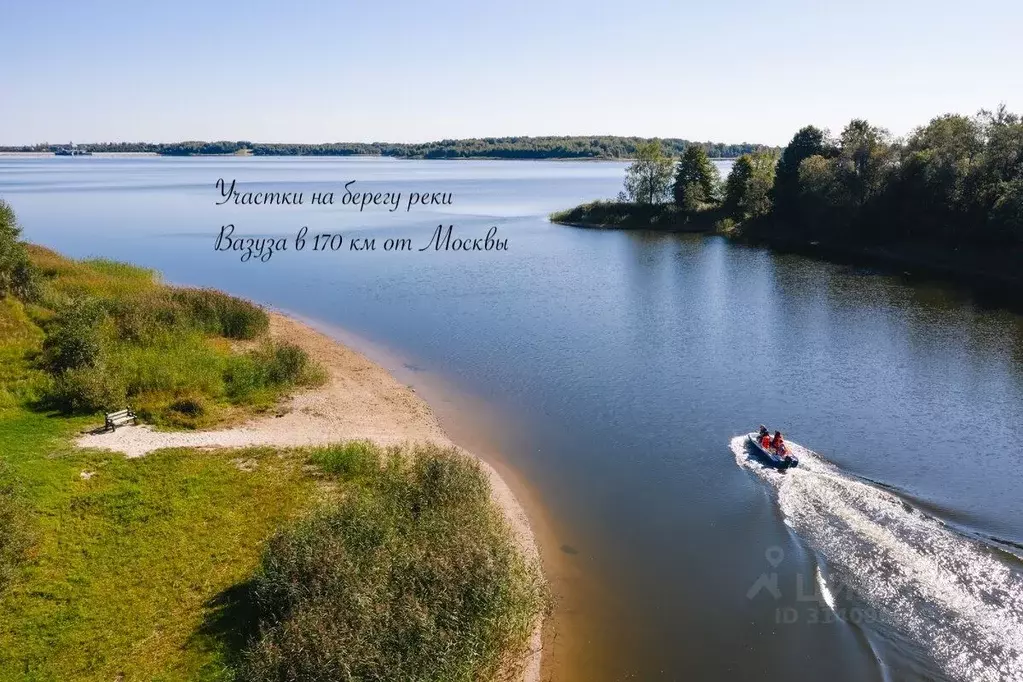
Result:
[778,444]
[765,437]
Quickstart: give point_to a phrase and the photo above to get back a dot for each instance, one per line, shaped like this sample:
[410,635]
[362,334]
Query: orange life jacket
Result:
[766,441]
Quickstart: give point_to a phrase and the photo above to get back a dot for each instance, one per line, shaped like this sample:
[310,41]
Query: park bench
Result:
[119,418]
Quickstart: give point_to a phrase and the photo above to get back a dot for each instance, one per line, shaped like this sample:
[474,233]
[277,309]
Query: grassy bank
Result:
[183,565]
[100,335]
[253,564]
[127,564]
[620,215]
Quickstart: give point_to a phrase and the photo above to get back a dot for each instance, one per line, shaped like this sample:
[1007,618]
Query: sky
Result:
[726,71]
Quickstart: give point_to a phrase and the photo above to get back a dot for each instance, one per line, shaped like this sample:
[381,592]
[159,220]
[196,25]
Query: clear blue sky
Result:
[729,70]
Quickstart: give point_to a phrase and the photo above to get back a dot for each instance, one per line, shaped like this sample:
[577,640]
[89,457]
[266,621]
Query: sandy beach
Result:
[359,401]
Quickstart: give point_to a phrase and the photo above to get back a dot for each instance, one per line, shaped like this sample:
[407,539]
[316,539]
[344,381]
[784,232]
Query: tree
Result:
[997,181]
[956,183]
[696,180]
[648,178]
[933,193]
[822,200]
[809,141]
[17,274]
[1005,222]
[864,158]
[748,188]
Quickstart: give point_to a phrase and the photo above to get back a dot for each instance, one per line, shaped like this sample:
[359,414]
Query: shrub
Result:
[138,321]
[285,362]
[217,313]
[191,411]
[189,406]
[349,460]
[726,227]
[413,577]
[244,379]
[623,215]
[269,368]
[15,538]
[18,277]
[73,341]
[155,344]
[87,390]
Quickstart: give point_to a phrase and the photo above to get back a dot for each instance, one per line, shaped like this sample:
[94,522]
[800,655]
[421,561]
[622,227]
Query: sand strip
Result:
[360,400]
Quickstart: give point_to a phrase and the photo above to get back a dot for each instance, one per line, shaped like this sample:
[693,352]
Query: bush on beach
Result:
[412,576]
[217,313]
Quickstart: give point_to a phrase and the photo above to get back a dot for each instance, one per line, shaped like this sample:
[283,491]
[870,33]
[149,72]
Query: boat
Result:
[71,150]
[64,151]
[769,456]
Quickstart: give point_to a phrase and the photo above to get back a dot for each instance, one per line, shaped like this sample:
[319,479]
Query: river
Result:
[611,374]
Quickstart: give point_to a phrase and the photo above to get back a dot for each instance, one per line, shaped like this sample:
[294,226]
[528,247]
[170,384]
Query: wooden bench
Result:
[120,418]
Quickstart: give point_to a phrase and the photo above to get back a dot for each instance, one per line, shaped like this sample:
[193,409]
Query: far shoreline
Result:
[101,155]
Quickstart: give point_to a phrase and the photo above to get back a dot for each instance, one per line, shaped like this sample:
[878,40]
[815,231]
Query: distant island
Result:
[555,147]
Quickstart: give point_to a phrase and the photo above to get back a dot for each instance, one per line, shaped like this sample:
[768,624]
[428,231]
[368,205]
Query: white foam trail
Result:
[952,595]
[825,591]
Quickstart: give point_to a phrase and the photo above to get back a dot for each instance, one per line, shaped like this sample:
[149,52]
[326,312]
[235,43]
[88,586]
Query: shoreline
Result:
[475,425]
[977,271]
[597,159]
[361,400]
[52,155]
[981,272]
[611,227]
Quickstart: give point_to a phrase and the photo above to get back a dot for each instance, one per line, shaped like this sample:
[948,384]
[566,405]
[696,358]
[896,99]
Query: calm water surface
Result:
[624,367]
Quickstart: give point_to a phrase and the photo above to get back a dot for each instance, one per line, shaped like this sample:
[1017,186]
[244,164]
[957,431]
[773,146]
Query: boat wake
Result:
[936,592]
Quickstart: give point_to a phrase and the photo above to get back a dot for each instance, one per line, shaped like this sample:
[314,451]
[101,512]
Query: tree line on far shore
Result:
[553,147]
[955,182]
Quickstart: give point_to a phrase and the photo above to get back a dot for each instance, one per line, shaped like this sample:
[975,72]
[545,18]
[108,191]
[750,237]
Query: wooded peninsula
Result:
[947,199]
[556,147]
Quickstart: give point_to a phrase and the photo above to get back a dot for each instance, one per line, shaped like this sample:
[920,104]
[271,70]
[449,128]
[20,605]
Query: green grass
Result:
[128,563]
[64,278]
[104,335]
[145,569]
[19,338]
[15,530]
[355,459]
[122,566]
